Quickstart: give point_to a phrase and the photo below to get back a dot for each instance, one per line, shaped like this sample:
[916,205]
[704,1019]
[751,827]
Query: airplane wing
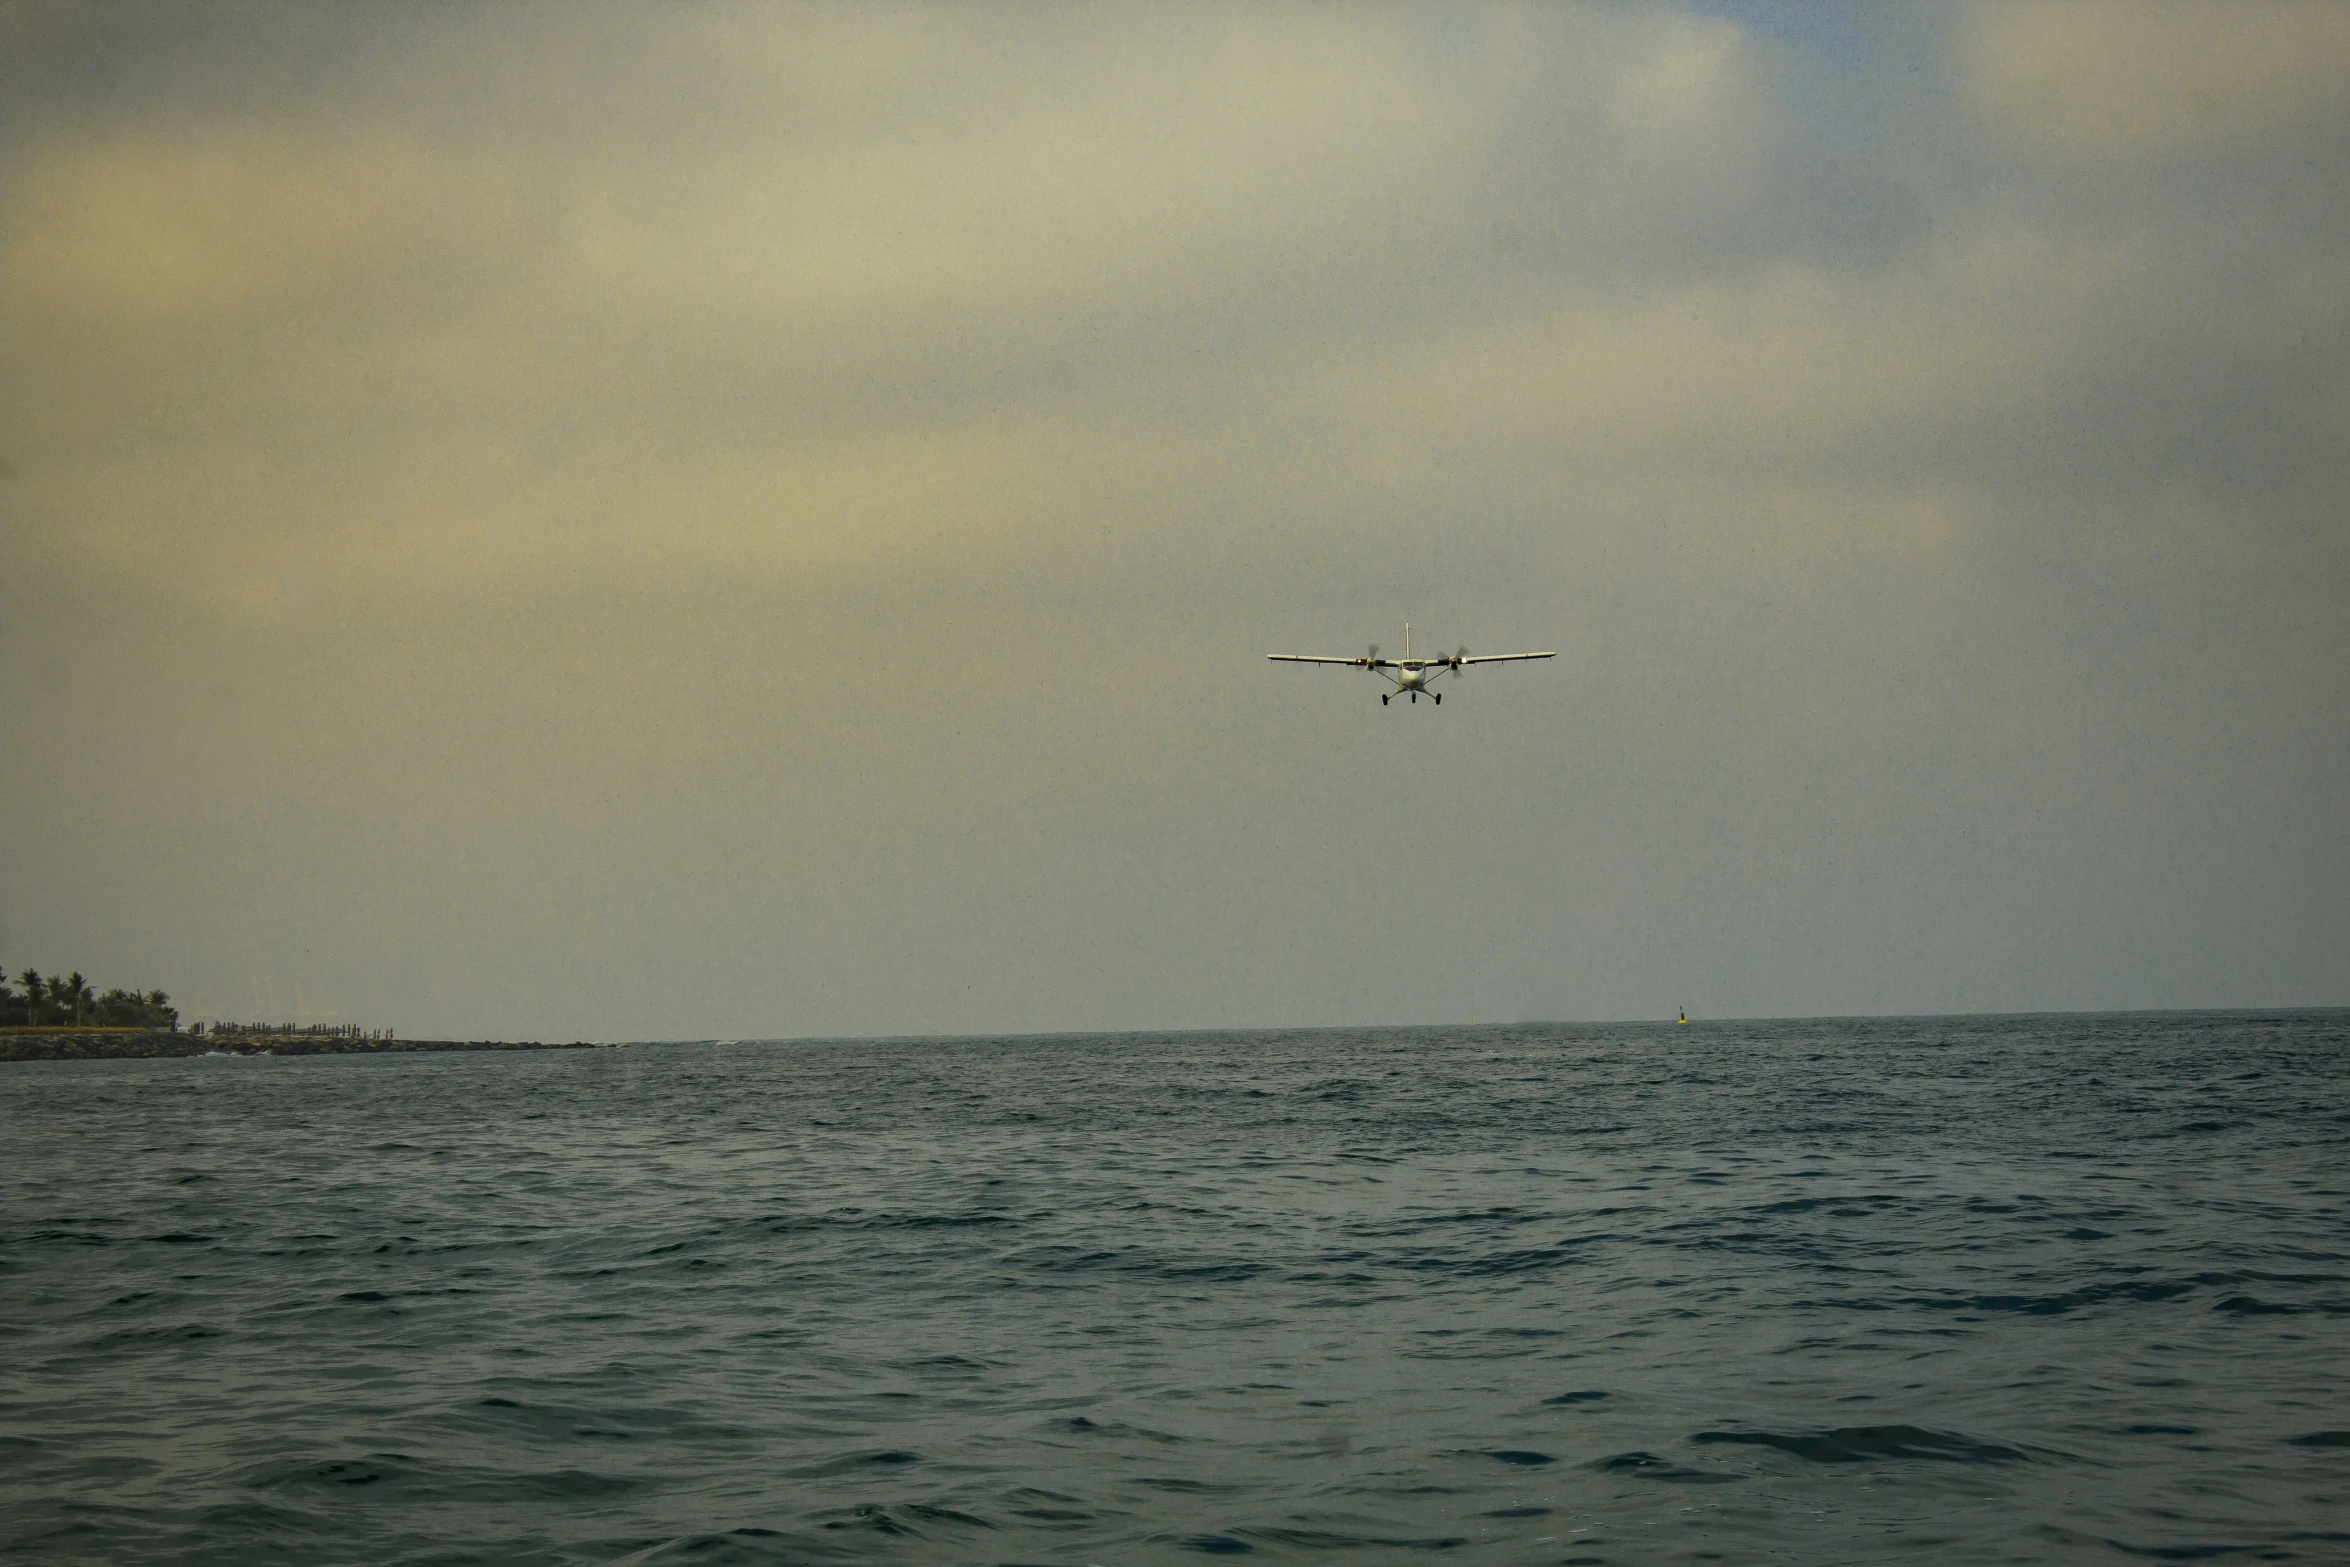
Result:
[1504,658]
[1307,658]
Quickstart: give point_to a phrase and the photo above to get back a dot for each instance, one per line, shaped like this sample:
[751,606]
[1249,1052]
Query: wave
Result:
[1853,1444]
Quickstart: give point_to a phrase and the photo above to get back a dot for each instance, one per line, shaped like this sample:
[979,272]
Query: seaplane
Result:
[1410,676]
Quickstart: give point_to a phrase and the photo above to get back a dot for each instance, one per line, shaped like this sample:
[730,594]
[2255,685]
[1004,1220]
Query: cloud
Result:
[2123,81]
[134,233]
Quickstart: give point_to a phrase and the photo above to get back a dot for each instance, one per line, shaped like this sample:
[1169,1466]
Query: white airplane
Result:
[1410,674]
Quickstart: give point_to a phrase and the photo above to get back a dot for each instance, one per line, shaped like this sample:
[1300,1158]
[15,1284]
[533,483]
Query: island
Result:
[115,1044]
[62,1018]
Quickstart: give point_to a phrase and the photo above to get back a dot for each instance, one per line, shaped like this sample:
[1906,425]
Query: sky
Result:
[651,521]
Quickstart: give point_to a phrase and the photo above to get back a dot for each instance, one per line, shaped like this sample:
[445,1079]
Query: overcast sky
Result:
[673,521]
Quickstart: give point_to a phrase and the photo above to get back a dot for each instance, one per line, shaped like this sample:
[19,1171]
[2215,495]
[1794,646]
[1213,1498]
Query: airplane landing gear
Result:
[1439,697]
[1383,696]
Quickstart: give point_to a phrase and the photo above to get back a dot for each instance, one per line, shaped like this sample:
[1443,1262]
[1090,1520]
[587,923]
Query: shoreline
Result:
[95,1044]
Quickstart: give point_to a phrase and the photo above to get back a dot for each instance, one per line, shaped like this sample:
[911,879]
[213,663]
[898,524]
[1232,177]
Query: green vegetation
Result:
[69,1002]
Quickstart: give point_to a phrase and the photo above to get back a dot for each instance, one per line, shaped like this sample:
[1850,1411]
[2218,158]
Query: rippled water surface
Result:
[2046,1289]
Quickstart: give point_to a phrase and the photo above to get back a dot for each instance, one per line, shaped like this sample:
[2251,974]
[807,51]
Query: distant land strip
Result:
[122,1044]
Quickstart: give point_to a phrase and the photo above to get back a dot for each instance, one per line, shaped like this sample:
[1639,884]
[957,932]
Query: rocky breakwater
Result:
[115,1044]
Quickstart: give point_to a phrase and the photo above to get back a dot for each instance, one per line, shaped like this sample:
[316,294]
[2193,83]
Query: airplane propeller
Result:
[1373,656]
[1457,657]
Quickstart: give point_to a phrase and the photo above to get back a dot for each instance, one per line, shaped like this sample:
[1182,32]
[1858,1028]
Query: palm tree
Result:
[31,980]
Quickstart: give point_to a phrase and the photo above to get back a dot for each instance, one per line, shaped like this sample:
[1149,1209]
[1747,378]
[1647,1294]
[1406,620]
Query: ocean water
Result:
[2033,1289]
